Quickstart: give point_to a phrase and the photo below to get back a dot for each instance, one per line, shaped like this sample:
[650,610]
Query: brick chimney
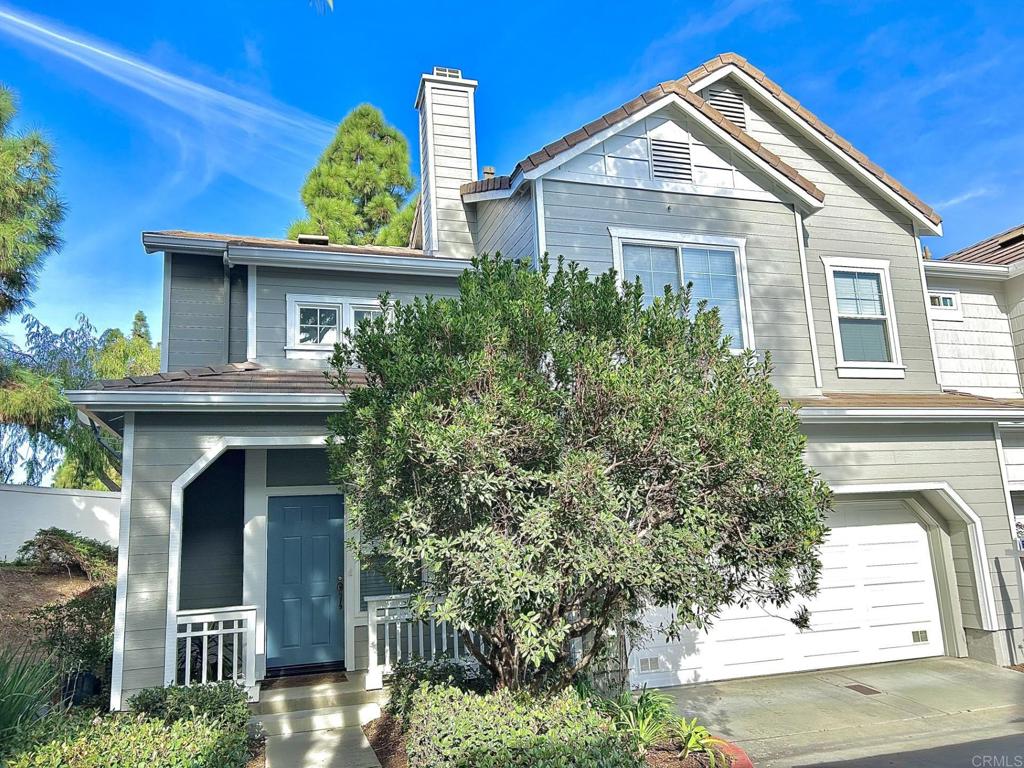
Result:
[447,160]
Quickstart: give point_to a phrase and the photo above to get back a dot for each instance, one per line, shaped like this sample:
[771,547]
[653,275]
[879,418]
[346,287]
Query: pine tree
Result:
[30,211]
[359,183]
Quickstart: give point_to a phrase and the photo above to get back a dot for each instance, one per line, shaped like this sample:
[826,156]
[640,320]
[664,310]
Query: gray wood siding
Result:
[238,330]
[165,446]
[855,222]
[274,284]
[506,226]
[577,217]
[197,312]
[964,455]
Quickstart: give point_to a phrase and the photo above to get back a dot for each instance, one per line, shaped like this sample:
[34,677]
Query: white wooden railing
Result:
[217,644]
[395,635]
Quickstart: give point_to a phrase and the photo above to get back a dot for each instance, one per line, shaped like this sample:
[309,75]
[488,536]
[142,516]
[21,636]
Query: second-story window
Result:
[863,318]
[317,323]
[713,266]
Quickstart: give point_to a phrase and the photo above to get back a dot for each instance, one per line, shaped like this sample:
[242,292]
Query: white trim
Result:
[165,317]
[738,245]
[953,314]
[927,305]
[812,331]
[540,231]
[493,194]
[975,532]
[894,368]
[941,268]
[174,535]
[563,157]
[427,118]
[818,138]
[663,185]
[124,536]
[1012,519]
[130,400]
[346,307]
[347,262]
[826,414]
[250,309]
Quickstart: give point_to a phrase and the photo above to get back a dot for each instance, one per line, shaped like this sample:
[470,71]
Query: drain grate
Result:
[867,690]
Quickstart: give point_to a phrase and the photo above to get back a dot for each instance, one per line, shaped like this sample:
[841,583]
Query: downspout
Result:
[227,309]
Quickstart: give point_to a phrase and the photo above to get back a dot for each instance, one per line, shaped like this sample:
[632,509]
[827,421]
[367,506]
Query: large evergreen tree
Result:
[30,210]
[359,184]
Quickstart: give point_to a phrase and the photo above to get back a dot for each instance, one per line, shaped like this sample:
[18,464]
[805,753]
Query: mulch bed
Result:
[1017,667]
[259,756]
[22,590]
[385,736]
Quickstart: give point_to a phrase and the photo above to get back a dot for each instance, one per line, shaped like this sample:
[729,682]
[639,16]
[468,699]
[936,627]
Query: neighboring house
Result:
[24,509]
[976,298]
[232,533]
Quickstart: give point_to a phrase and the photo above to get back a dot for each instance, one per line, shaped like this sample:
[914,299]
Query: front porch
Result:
[263,583]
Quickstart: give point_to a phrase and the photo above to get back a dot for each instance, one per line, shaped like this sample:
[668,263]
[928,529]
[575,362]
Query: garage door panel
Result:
[877,602]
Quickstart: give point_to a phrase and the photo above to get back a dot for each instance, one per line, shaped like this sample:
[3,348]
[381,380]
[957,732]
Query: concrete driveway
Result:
[931,712]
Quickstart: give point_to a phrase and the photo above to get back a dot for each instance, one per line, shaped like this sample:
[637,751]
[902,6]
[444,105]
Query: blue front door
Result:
[305,552]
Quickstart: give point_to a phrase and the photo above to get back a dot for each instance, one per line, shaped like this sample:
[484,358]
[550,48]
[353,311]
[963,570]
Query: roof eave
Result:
[90,401]
[926,224]
[337,260]
[159,242]
[941,268]
[818,415]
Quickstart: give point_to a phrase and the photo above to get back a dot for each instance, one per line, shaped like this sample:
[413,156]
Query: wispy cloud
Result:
[963,197]
[211,131]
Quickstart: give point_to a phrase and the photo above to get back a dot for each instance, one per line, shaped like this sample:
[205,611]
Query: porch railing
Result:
[215,645]
[394,635]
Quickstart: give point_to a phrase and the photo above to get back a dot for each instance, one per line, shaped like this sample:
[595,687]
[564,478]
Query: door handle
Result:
[341,591]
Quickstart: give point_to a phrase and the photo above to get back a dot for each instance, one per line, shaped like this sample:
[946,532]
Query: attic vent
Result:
[454,74]
[671,160]
[314,240]
[729,104]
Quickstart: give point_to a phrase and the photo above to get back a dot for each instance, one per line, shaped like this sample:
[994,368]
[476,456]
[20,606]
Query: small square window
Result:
[318,325]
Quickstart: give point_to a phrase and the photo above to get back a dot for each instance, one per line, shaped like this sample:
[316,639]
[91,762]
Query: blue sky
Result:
[207,116]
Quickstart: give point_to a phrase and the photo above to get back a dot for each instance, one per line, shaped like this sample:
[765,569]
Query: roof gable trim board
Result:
[788,107]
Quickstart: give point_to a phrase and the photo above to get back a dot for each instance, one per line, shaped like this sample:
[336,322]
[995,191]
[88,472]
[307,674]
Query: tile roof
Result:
[270,242]
[632,107]
[234,378]
[947,399]
[1005,248]
[725,59]
[682,87]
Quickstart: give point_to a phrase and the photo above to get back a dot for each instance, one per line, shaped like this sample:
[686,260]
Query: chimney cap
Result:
[452,72]
[311,239]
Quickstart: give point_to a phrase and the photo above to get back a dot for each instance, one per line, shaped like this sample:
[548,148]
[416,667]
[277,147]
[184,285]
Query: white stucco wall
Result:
[25,509]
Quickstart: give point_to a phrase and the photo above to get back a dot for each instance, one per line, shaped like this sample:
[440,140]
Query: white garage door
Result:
[877,603]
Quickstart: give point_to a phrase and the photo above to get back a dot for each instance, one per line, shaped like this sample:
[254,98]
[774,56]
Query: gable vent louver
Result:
[671,160]
[729,104]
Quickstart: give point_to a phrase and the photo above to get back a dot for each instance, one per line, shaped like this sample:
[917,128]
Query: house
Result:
[232,562]
[976,304]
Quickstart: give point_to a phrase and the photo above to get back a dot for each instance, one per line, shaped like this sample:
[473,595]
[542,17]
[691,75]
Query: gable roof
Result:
[1005,248]
[151,240]
[609,120]
[724,60]
[683,88]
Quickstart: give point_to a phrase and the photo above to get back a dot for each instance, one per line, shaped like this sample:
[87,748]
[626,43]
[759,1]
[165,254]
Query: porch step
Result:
[321,719]
[319,696]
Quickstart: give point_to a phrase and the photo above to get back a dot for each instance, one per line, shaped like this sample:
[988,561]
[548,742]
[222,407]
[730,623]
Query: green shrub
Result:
[409,676]
[134,740]
[28,685]
[693,739]
[54,549]
[451,728]
[58,724]
[644,719]
[225,703]
[80,632]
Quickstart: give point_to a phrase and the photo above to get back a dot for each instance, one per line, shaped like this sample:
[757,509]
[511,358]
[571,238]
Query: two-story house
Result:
[232,561]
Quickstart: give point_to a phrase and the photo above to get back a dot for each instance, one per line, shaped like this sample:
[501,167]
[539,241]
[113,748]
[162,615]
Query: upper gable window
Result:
[714,266]
[945,305]
[316,323]
[863,319]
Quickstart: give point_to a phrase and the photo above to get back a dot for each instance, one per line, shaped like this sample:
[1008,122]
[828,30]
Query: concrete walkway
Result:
[345,747]
[930,712]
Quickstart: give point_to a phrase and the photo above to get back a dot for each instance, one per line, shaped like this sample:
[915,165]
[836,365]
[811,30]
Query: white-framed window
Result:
[945,305]
[716,266]
[317,323]
[863,318]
